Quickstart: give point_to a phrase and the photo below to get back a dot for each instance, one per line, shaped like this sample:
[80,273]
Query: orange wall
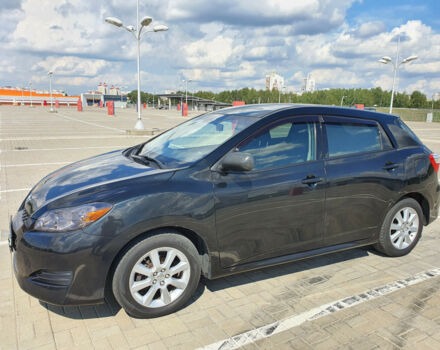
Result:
[18,93]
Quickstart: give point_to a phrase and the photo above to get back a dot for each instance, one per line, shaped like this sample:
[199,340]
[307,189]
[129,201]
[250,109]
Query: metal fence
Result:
[413,114]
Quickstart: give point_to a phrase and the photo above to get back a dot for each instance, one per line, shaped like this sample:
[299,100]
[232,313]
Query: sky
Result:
[220,44]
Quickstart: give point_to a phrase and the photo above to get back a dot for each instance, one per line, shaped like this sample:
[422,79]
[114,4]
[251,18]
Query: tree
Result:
[418,100]
[368,97]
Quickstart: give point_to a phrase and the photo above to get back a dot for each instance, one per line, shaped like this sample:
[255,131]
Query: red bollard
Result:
[185,109]
[145,105]
[238,103]
[57,104]
[178,106]
[100,104]
[44,103]
[79,105]
[111,108]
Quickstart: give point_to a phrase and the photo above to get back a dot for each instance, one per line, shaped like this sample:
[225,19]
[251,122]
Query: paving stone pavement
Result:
[408,318]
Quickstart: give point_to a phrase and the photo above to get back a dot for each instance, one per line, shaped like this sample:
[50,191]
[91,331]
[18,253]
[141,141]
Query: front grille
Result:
[52,278]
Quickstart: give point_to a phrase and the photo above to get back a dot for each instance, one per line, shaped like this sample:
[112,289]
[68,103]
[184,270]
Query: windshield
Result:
[191,141]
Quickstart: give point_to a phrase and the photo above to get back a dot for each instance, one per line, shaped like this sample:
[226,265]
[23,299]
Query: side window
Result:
[348,138]
[282,145]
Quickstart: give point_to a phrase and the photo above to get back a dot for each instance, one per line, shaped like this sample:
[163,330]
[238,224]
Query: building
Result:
[102,88]
[104,94]
[274,82]
[26,96]
[308,84]
[114,90]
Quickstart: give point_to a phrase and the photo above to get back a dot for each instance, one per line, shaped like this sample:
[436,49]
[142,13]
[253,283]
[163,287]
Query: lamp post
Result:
[120,91]
[137,33]
[30,92]
[50,74]
[396,65]
[186,89]
[342,100]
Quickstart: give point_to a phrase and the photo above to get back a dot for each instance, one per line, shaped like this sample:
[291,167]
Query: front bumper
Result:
[61,268]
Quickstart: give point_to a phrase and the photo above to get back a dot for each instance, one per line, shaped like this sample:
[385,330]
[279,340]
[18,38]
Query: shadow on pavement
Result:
[286,269]
[110,307]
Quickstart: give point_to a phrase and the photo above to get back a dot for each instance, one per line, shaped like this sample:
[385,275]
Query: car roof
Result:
[265,109]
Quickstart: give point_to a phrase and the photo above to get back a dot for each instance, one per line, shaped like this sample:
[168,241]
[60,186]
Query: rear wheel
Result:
[401,229]
[157,276]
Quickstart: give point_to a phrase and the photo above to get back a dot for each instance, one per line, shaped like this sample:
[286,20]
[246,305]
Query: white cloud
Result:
[214,53]
[72,65]
[221,44]
[337,77]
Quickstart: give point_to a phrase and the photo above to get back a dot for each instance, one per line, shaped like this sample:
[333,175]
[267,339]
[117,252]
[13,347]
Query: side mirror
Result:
[238,161]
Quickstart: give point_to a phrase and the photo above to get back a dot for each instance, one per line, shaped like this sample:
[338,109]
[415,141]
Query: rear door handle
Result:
[390,166]
[310,180]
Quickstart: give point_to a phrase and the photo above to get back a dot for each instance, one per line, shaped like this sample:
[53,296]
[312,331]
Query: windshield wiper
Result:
[147,160]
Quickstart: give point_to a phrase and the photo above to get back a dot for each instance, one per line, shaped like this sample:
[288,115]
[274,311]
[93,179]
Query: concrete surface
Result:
[35,142]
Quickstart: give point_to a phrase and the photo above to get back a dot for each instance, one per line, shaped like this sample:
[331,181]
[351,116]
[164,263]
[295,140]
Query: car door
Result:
[278,207]
[363,172]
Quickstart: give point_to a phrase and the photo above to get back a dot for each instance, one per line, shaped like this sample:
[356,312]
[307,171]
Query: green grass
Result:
[414,115]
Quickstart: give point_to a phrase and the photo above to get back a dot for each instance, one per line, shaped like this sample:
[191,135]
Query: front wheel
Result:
[157,276]
[401,229]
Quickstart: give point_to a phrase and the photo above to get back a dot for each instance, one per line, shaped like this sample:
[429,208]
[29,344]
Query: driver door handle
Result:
[311,180]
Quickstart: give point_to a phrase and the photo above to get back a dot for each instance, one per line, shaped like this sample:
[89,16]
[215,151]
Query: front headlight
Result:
[69,219]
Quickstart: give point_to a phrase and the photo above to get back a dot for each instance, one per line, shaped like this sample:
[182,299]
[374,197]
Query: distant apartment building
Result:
[274,82]
[308,84]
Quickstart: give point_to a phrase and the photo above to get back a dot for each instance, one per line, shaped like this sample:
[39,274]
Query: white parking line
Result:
[35,164]
[320,311]
[90,123]
[44,138]
[65,148]
[16,190]
[431,140]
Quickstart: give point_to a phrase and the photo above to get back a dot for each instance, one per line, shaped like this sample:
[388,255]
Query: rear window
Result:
[348,138]
[404,136]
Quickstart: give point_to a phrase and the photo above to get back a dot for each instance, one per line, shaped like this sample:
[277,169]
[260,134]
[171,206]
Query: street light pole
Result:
[342,100]
[50,88]
[137,33]
[186,90]
[396,65]
[30,92]
[139,124]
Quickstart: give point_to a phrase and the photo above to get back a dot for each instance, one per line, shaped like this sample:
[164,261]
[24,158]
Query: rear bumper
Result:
[435,207]
[61,268]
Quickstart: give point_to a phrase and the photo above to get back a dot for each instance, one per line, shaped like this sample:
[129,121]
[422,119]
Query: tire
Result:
[149,282]
[400,234]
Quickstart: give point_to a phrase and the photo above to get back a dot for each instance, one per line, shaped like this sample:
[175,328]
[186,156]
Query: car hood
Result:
[91,172]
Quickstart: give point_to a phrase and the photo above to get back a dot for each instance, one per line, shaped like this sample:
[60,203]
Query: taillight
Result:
[435,161]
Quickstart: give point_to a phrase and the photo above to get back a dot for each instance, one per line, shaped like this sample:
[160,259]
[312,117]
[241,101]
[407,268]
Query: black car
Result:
[228,191]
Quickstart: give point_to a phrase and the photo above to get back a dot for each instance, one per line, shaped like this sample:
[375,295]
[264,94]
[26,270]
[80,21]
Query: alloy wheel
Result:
[159,277]
[404,228]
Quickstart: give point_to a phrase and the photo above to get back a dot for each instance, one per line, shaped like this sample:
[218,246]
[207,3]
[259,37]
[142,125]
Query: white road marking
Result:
[431,140]
[320,311]
[16,190]
[90,123]
[65,148]
[35,164]
[73,137]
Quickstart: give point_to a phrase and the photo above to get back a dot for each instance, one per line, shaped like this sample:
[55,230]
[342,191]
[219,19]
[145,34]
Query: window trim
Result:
[350,120]
[315,118]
